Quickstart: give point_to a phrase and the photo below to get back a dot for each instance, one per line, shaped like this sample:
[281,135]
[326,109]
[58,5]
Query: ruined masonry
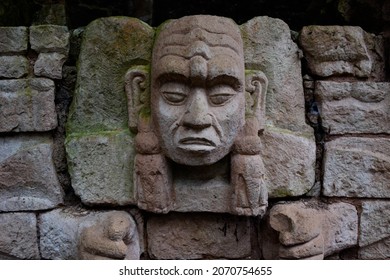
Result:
[217,168]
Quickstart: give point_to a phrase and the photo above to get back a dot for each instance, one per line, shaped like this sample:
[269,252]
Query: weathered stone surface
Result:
[311,229]
[27,105]
[205,189]
[28,180]
[59,233]
[110,47]
[376,251]
[360,107]
[15,66]
[49,65]
[374,238]
[357,167]
[340,50]
[196,236]
[101,167]
[374,222]
[49,38]
[13,39]
[18,238]
[289,160]
[73,233]
[268,47]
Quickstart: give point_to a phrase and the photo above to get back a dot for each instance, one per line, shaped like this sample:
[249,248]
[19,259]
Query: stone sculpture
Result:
[203,108]
[196,112]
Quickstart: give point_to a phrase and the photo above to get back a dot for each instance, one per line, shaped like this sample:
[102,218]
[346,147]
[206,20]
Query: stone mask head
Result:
[197,88]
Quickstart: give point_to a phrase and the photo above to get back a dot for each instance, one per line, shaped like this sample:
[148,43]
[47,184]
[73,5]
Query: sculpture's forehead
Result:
[202,46]
[197,41]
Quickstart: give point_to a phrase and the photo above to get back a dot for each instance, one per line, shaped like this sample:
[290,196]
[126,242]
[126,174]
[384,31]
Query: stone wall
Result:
[326,139]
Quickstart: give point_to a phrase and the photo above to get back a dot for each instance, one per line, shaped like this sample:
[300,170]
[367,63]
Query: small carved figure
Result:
[111,235]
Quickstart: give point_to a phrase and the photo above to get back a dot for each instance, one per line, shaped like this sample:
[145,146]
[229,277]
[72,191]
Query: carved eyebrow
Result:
[182,51]
[172,77]
[231,80]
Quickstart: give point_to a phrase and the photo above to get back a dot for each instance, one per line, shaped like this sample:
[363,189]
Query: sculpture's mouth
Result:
[196,141]
[198,144]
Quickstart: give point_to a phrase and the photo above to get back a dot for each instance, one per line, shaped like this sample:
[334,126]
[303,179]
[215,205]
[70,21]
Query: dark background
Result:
[372,15]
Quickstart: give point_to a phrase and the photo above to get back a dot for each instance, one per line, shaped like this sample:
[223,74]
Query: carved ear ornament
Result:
[138,94]
[256,84]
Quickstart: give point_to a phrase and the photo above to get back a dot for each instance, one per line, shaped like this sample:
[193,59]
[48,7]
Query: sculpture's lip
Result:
[198,141]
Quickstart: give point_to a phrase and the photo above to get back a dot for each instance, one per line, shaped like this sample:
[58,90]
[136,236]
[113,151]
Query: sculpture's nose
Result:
[197,115]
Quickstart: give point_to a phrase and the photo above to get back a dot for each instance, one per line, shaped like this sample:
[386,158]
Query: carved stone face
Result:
[198,100]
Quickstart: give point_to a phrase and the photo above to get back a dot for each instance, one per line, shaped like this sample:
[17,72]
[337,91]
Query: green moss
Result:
[282,193]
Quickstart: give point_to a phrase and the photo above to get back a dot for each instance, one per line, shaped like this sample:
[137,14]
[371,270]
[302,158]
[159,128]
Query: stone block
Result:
[289,159]
[28,180]
[14,66]
[268,47]
[374,238]
[199,236]
[49,65]
[374,222]
[357,167]
[360,107]
[18,238]
[27,105]
[342,50]
[101,167]
[49,38]
[59,233]
[13,39]
[110,47]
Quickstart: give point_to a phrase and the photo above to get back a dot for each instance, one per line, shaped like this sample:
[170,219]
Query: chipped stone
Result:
[360,107]
[49,65]
[327,229]
[18,238]
[28,180]
[197,236]
[357,167]
[27,105]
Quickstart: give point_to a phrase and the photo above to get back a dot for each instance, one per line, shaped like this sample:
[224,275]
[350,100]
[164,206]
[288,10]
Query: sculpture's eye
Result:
[221,94]
[174,93]
[174,97]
